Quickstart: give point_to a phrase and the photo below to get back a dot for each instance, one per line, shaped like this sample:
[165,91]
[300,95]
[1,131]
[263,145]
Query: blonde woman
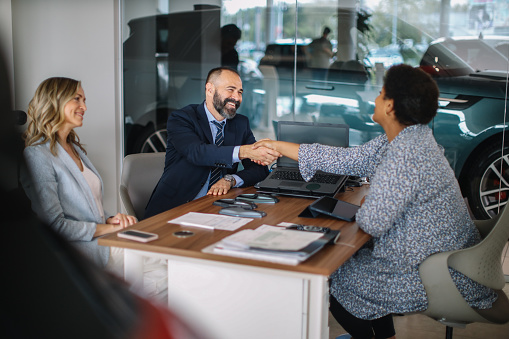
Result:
[64,187]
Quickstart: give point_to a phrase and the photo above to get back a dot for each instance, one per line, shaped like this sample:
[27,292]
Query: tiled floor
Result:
[421,327]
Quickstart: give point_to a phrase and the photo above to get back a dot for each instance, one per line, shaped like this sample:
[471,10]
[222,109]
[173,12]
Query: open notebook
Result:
[286,178]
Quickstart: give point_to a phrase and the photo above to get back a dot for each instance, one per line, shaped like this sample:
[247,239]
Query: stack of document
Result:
[273,244]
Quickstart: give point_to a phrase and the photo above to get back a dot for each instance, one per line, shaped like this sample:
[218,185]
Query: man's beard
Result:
[220,106]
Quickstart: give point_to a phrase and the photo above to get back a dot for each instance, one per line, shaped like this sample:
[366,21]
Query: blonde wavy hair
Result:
[46,112]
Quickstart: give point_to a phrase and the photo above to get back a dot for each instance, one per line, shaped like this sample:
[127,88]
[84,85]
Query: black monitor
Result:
[311,132]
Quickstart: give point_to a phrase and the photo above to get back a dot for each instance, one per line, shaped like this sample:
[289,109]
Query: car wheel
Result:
[151,141]
[487,181]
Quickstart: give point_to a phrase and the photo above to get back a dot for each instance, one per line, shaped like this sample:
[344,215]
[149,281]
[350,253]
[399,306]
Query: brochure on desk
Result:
[273,244]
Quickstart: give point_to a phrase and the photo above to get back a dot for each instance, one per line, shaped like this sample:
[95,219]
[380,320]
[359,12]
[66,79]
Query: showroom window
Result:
[169,46]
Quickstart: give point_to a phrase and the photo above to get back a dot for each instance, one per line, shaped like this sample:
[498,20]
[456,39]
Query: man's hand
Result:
[261,155]
[221,187]
[267,143]
[282,148]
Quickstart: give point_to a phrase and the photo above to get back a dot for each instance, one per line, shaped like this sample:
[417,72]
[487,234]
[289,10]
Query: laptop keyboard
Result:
[295,176]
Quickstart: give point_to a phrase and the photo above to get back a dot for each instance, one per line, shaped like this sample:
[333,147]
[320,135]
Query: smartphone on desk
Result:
[335,208]
[137,235]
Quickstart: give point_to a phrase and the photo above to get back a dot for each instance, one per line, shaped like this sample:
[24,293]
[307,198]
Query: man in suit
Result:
[194,162]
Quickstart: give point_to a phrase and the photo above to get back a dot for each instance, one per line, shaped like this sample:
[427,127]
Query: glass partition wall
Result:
[291,70]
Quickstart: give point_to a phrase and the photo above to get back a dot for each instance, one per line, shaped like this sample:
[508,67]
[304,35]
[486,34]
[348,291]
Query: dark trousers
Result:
[380,328]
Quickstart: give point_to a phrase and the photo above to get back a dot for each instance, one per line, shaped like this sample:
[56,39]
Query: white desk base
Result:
[234,301]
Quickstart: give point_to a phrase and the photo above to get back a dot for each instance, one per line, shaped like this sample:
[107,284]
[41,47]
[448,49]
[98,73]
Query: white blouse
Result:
[95,185]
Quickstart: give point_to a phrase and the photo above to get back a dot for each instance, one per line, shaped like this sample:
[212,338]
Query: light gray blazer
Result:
[62,198]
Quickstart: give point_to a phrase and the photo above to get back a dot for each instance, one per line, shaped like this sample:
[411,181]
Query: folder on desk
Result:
[273,244]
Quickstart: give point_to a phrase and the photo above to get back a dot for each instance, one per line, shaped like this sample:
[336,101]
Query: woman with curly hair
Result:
[64,187]
[414,208]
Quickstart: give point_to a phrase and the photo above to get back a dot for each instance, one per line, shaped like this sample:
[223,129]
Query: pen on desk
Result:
[336,239]
[345,244]
[196,225]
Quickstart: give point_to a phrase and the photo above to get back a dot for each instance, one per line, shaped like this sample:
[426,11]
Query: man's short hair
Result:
[214,73]
[326,30]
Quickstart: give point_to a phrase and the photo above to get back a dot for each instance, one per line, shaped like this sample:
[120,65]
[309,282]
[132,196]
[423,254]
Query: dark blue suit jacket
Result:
[191,154]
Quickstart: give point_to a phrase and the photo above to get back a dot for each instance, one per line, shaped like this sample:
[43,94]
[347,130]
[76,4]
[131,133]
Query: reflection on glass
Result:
[465,48]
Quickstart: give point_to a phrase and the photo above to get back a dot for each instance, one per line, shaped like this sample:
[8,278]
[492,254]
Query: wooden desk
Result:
[242,298]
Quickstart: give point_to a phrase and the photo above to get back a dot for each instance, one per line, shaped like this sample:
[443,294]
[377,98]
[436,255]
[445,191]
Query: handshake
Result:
[266,151]
[262,152]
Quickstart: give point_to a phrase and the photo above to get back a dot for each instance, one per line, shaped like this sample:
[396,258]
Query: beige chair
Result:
[482,263]
[140,175]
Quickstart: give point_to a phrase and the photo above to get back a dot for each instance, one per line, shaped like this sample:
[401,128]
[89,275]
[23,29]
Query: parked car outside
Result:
[469,124]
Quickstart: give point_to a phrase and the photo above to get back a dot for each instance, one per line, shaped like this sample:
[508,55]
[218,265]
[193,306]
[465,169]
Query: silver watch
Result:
[230,178]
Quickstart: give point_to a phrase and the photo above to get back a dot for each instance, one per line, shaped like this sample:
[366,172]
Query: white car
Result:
[480,53]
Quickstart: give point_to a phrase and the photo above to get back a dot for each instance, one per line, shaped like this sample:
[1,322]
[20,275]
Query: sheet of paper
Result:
[219,249]
[271,237]
[211,221]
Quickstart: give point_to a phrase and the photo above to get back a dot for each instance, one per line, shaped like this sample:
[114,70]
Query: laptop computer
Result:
[285,179]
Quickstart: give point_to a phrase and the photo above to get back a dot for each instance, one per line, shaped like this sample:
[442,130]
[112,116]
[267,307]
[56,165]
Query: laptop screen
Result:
[309,133]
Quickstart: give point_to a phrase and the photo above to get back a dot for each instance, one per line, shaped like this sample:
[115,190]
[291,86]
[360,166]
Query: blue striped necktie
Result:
[215,174]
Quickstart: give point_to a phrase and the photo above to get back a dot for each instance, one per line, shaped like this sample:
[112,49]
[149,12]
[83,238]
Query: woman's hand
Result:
[283,148]
[268,143]
[115,223]
[122,220]
[260,155]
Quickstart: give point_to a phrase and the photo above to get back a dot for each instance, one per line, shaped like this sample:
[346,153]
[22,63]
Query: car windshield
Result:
[439,61]
[477,53]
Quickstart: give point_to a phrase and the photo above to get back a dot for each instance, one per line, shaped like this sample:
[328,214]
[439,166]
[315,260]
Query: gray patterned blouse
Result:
[414,208]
